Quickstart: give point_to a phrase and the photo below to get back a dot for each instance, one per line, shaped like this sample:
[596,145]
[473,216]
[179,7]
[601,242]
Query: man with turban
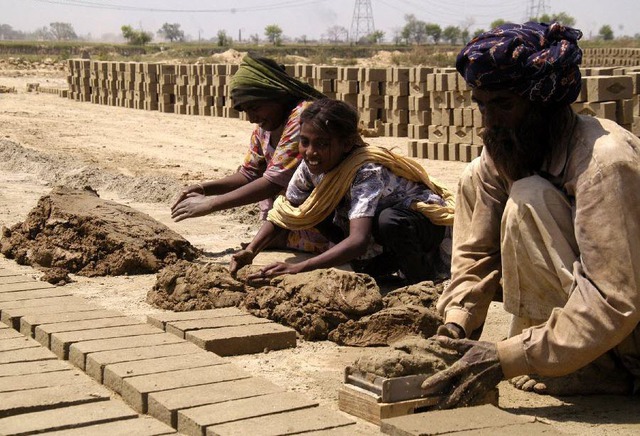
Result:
[548,217]
[273,101]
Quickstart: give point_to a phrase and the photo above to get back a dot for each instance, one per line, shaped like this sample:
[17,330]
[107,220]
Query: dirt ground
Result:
[140,159]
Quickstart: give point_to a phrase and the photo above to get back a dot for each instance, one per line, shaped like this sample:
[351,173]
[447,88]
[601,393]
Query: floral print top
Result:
[275,164]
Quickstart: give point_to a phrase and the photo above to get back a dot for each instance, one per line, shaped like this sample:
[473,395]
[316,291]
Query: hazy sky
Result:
[203,18]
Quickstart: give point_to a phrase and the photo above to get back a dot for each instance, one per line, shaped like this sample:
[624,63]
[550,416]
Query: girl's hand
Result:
[277,269]
[238,260]
[193,205]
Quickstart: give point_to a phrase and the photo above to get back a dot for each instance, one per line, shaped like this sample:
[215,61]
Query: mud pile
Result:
[408,311]
[408,357]
[187,286]
[77,231]
[344,307]
[316,302]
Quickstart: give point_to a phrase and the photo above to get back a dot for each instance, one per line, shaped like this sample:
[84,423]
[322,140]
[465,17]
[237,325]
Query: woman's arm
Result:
[195,204]
[212,187]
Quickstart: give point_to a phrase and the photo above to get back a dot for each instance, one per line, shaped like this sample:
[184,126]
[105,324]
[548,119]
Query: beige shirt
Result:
[598,168]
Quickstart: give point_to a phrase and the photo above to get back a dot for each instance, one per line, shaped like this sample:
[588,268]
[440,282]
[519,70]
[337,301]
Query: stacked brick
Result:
[370,99]
[447,123]
[611,93]
[430,106]
[610,56]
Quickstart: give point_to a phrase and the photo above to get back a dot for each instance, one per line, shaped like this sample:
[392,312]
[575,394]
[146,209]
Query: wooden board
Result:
[358,402]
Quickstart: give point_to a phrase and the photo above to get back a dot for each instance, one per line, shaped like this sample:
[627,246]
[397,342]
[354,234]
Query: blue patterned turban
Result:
[535,60]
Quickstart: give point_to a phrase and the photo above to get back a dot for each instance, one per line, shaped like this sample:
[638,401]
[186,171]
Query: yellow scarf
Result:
[327,195]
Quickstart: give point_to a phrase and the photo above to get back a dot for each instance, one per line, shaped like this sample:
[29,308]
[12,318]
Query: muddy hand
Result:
[451,330]
[240,259]
[276,269]
[476,373]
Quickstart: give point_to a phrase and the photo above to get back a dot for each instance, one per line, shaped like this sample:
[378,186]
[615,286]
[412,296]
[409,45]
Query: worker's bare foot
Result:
[590,380]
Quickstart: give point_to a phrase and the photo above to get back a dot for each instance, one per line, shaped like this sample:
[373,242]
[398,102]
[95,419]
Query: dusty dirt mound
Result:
[195,286]
[78,231]
[316,302]
[408,357]
[57,170]
[408,311]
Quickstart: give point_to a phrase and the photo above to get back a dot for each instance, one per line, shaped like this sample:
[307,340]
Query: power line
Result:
[101,5]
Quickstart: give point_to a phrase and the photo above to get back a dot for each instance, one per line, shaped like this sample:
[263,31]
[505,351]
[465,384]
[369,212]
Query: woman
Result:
[274,101]
[381,210]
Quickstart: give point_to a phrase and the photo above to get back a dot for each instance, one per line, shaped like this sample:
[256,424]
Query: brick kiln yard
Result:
[140,158]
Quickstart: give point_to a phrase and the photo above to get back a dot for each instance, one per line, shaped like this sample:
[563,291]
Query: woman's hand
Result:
[277,269]
[193,205]
[238,260]
[198,188]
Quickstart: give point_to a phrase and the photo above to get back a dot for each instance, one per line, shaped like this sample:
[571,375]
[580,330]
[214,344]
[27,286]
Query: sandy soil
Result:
[141,159]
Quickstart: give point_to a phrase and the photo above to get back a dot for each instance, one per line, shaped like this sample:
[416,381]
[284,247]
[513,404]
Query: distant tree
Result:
[433,31]
[375,37]
[254,38]
[302,39]
[136,37]
[7,32]
[273,32]
[42,34]
[451,34]
[172,32]
[337,34]
[397,36]
[496,23]
[62,31]
[478,32]
[464,35]
[223,40]
[414,30]
[561,17]
[606,32]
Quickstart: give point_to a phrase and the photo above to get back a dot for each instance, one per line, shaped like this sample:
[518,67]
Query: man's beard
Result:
[521,151]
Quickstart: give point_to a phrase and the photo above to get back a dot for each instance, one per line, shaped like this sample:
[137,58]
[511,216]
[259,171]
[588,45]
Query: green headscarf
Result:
[263,79]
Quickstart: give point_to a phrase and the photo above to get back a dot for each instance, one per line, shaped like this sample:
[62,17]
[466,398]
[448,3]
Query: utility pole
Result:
[536,9]
[362,21]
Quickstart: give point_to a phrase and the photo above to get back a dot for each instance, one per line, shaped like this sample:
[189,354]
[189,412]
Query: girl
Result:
[381,210]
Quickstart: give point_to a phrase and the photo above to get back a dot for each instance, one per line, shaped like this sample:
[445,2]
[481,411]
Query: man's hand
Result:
[470,378]
[451,330]
[277,269]
[193,205]
[240,259]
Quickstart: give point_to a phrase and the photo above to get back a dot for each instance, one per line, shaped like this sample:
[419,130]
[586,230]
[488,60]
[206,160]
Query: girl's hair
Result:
[335,118]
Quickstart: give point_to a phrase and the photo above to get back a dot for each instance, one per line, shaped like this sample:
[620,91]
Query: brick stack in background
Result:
[148,87]
[419,103]
[166,87]
[396,102]
[348,86]
[79,79]
[228,110]
[371,87]
[430,106]
[451,125]
[610,57]
[611,93]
